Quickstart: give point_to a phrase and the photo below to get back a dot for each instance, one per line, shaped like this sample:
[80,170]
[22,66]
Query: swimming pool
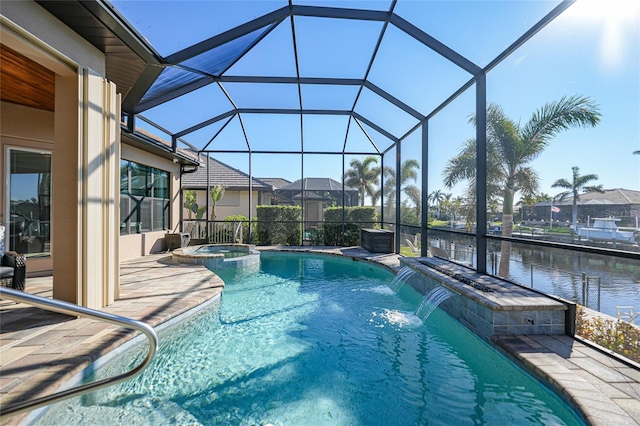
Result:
[312,339]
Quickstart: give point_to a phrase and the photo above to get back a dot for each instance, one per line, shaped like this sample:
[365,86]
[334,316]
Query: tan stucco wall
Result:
[85,140]
[136,245]
[84,136]
[233,203]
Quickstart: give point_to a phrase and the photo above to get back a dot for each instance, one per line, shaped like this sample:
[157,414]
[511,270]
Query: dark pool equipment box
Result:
[376,240]
[177,240]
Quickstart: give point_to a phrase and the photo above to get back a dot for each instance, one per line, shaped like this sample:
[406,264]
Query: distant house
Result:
[318,192]
[272,198]
[619,202]
[237,193]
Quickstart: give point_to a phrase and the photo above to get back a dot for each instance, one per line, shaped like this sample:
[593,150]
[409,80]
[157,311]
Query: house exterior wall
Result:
[628,214]
[136,245]
[233,203]
[84,140]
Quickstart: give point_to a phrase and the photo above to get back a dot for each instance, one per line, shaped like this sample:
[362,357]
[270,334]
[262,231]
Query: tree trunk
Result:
[507,231]
[505,246]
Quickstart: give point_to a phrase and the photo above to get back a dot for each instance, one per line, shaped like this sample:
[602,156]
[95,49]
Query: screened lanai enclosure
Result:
[471,130]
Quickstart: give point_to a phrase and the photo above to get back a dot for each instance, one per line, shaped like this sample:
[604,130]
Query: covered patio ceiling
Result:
[304,76]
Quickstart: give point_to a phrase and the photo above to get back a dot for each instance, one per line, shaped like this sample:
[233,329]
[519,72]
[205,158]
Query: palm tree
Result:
[364,177]
[446,204]
[526,201]
[510,149]
[217,192]
[408,172]
[436,198]
[415,195]
[578,183]
[190,202]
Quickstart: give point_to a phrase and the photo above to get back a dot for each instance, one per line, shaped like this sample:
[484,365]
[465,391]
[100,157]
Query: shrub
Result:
[279,225]
[619,336]
[355,219]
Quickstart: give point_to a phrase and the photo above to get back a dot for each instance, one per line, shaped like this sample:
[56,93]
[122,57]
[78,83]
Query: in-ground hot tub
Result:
[219,257]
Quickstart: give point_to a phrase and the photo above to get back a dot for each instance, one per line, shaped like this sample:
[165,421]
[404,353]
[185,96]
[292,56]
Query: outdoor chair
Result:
[13,270]
[438,252]
[414,246]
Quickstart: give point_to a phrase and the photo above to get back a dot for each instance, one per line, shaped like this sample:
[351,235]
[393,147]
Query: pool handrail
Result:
[78,311]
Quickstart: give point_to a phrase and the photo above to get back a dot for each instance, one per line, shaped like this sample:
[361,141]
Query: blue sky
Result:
[593,49]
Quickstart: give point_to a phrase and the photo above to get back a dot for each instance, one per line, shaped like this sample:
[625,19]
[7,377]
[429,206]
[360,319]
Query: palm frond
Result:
[527,181]
[553,117]
[596,188]
[562,183]
[583,180]
[462,166]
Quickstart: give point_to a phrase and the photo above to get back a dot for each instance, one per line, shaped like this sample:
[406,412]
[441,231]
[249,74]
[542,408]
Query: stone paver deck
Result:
[40,351]
[604,390]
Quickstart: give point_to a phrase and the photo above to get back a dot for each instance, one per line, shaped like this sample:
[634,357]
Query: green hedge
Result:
[279,225]
[355,219]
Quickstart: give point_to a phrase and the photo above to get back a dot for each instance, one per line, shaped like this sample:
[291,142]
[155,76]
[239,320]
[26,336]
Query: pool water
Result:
[311,340]
[225,251]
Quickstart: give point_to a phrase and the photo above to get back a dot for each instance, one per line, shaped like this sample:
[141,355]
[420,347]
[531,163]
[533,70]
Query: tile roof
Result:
[318,184]
[275,182]
[221,174]
[619,196]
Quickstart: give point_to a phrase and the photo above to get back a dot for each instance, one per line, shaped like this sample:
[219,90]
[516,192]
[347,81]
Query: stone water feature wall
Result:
[487,305]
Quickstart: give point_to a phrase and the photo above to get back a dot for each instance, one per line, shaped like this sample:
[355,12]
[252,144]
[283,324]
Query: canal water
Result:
[602,283]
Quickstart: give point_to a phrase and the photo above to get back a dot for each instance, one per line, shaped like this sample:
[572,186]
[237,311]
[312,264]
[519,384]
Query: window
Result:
[29,227]
[144,198]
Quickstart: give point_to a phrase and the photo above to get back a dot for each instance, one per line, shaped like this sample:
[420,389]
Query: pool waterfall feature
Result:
[220,257]
[487,306]
[401,278]
[431,301]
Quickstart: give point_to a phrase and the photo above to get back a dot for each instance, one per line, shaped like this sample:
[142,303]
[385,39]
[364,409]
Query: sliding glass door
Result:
[29,220]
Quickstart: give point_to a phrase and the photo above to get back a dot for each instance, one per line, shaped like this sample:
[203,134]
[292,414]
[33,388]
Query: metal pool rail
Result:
[74,310]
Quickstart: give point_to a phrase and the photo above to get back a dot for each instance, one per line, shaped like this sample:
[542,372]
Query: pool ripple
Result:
[295,344]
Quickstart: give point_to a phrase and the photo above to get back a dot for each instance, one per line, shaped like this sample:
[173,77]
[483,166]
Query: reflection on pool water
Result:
[311,339]
[226,251]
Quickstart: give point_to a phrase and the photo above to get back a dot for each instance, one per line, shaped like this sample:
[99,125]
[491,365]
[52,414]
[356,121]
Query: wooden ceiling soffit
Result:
[25,82]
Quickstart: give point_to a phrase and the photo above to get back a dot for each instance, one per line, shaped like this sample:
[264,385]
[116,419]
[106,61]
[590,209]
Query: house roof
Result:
[275,182]
[314,189]
[221,174]
[152,143]
[618,196]
[317,184]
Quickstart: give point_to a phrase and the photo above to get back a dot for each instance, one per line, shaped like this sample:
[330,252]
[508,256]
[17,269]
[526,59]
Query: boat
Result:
[605,229]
